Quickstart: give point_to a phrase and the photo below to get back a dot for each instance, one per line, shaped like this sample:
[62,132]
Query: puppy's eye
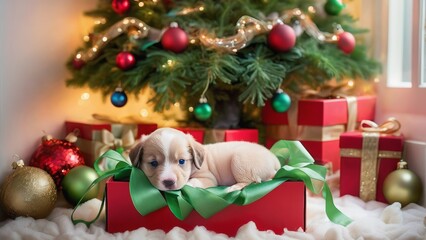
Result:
[154,163]
[181,161]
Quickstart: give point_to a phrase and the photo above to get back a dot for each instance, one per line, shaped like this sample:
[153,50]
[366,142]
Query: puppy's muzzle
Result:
[168,183]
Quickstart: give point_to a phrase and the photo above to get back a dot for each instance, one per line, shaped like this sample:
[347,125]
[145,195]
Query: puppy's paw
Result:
[193,182]
[237,186]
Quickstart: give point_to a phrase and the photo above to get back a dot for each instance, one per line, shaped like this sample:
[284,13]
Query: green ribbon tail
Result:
[106,175]
[145,197]
[333,213]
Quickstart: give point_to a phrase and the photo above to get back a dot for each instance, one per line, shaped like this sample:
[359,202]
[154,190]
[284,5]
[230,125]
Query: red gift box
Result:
[318,124]
[227,135]
[321,112]
[198,134]
[90,129]
[389,151]
[283,207]
[89,135]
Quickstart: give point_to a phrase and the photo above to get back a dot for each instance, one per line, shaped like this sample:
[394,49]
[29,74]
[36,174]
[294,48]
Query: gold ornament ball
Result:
[29,192]
[402,185]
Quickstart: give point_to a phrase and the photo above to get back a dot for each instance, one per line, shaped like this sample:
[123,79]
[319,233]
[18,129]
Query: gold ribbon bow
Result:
[390,126]
[370,154]
[109,141]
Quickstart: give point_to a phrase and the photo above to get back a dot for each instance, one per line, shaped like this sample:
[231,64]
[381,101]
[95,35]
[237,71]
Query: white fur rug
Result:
[372,220]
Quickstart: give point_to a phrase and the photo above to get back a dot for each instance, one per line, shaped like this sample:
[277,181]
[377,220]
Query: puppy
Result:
[170,159]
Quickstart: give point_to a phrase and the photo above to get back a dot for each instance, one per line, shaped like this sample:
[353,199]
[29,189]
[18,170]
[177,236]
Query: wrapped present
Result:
[367,157]
[277,204]
[271,212]
[227,135]
[318,123]
[197,133]
[95,137]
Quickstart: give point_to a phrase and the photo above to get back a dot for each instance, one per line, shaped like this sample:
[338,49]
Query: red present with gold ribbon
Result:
[318,123]
[196,133]
[207,136]
[227,135]
[95,137]
[367,157]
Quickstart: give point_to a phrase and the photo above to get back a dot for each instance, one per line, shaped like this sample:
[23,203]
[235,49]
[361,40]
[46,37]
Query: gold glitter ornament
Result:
[28,191]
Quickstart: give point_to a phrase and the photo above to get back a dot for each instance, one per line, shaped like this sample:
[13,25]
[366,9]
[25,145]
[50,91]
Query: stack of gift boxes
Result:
[269,213]
[325,128]
[330,130]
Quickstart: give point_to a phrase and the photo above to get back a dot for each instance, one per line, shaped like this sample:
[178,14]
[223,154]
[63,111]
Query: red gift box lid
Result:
[283,207]
[86,128]
[387,142]
[322,112]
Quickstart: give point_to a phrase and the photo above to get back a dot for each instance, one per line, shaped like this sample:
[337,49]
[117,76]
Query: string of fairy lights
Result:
[282,29]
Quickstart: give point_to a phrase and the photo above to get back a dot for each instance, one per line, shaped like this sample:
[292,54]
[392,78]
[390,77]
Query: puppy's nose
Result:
[168,183]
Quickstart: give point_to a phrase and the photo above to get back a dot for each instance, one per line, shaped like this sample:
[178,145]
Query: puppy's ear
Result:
[197,151]
[136,153]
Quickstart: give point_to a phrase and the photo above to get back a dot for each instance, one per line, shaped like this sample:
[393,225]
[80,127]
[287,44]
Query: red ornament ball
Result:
[120,6]
[346,42]
[281,38]
[78,63]
[56,157]
[125,60]
[175,39]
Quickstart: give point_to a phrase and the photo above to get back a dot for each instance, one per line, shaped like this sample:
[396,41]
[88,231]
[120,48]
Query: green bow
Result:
[297,165]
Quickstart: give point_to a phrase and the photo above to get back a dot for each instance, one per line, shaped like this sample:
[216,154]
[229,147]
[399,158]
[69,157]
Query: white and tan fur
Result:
[171,159]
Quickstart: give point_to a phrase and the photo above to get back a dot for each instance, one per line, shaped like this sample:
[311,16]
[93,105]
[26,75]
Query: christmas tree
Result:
[220,59]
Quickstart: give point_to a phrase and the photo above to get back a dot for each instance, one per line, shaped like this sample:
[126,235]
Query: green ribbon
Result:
[297,165]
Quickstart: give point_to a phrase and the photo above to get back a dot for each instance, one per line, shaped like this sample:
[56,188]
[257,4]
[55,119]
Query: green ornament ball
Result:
[281,102]
[333,7]
[77,181]
[203,111]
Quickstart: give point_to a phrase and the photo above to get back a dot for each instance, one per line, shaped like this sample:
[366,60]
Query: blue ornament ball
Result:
[119,98]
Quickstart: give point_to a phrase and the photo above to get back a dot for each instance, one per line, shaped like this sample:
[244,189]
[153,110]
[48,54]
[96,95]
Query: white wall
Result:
[36,39]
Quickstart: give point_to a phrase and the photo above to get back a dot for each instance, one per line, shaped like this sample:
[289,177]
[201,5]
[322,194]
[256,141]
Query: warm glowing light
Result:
[100,21]
[85,96]
[311,9]
[190,109]
[119,30]
[104,39]
[94,49]
[201,8]
[334,38]
[78,56]
[351,83]
[192,41]
[86,38]
[376,80]
[144,112]
[141,4]
[126,21]
[176,104]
